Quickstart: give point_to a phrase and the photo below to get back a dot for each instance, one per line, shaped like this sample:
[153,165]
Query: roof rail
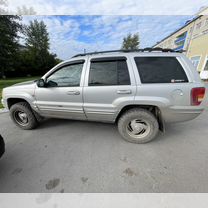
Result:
[128,51]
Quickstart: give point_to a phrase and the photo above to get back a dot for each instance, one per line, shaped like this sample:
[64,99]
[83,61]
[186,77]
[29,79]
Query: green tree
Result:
[37,45]
[37,37]
[131,42]
[9,27]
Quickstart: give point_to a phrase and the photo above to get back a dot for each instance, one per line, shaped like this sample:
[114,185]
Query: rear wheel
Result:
[23,116]
[138,126]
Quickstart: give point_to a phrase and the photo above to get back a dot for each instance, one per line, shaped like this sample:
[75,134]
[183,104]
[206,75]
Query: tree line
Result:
[24,49]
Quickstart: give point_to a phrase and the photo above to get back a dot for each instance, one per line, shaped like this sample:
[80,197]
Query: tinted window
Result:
[111,72]
[66,76]
[160,70]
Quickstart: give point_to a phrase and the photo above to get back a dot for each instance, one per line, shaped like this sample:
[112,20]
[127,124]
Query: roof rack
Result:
[128,51]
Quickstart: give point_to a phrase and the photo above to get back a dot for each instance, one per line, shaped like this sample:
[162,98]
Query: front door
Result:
[62,95]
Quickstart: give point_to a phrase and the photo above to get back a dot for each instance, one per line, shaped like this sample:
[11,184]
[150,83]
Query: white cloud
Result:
[70,35]
[111,7]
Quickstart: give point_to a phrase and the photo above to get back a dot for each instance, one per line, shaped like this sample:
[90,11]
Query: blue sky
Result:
[72,34]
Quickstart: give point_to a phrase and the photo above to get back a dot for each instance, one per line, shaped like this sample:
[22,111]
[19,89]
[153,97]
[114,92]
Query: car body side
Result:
[170,101]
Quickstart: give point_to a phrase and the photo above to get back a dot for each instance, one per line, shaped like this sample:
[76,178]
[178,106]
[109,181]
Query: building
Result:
[193,39]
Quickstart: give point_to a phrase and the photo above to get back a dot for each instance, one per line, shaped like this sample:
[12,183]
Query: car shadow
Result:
[170,129]
[54,122]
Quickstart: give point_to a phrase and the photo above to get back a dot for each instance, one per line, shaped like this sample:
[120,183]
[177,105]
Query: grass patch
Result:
[8,82]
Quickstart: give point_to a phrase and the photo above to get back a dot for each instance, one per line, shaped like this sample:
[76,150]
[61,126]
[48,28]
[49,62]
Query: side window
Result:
[108,72]
[67,76]
[160,70]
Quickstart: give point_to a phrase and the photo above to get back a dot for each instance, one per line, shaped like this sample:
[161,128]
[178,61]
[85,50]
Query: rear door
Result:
[109,84]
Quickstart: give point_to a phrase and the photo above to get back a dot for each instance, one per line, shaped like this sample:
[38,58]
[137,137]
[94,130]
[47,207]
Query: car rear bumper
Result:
[180,113]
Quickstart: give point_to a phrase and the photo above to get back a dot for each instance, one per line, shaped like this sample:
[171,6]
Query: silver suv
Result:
[140,91]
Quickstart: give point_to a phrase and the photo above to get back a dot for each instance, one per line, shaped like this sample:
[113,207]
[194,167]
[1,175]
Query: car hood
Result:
[20,87]
[25,83]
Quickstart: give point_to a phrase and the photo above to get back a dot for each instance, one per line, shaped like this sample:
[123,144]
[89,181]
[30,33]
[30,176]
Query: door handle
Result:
[124,92]
[73,93]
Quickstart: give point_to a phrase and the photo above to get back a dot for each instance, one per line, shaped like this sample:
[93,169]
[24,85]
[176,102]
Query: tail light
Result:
[197,95]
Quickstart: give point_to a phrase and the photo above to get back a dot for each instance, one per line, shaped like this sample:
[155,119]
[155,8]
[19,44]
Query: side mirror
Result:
[51,83]
[41,83]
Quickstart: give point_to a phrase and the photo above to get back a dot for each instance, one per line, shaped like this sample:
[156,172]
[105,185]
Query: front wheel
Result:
[138,126]
[22,115]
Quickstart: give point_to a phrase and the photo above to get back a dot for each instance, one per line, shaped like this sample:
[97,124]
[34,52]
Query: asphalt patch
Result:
[52,183]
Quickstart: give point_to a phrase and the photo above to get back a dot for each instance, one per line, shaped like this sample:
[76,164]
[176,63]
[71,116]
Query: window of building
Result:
[108,72]
[160,70]
[198,25]
[206,65]
[195,60]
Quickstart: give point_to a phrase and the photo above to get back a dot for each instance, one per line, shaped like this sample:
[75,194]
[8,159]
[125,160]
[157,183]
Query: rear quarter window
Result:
[160,70]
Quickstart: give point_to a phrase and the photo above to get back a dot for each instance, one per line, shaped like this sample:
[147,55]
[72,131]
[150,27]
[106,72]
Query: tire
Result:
[2,146]
[23,116]
[138,125]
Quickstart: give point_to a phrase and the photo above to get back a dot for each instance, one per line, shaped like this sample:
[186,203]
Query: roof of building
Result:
[186,24]
[203,11]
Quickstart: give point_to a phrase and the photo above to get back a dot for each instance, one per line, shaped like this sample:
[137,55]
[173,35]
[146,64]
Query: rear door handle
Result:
[73,93]
[124,92]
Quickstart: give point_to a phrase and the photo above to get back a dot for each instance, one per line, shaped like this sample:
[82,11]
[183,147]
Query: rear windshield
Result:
[160,70]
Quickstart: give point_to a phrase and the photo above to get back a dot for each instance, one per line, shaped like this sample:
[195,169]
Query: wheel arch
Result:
[11,101]
[152,108]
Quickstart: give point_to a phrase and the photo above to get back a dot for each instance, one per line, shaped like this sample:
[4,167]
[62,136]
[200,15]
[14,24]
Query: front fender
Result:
[24,96]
